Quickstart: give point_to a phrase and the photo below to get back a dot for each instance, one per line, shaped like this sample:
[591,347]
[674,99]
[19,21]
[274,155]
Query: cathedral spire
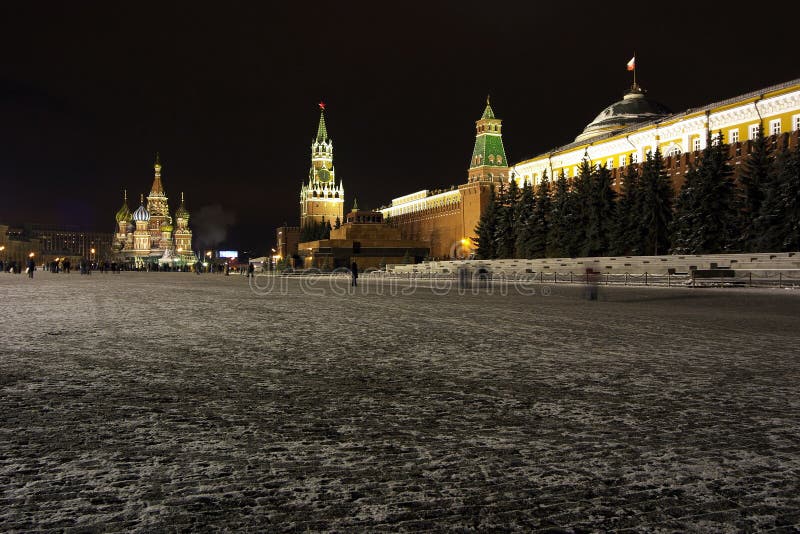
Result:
[157,188]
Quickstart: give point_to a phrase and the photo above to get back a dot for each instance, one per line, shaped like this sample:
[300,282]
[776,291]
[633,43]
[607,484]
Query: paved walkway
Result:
[148,402]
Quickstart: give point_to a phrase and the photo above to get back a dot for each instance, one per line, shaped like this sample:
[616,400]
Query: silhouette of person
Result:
[354,273]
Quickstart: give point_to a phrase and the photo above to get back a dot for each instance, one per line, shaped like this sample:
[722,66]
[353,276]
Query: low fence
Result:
[779,279]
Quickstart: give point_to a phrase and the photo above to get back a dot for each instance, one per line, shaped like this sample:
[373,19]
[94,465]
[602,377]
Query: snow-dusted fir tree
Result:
[779,221]
[504,233]
[540,218]
[627,235]
[561,240]
[705,218]
[523,222]
[655,210]
[600,212]
[487,226]
[755,175]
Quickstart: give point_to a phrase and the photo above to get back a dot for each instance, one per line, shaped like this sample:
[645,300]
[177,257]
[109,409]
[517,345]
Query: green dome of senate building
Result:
[634,108]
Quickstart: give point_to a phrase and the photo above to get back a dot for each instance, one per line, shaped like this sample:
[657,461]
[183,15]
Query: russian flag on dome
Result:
[632,63]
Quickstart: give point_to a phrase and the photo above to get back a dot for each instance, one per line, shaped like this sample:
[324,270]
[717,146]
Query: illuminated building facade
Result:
[446,220]
[148,235]
[363,239]
[620,136]
[49,242]
[624,132]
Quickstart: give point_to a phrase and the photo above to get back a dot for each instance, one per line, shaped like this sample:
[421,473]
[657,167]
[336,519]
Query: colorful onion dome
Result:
[182,212]
[124,213]
[141,213]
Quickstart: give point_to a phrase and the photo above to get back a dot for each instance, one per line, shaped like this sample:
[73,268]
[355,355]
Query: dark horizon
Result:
[228,97]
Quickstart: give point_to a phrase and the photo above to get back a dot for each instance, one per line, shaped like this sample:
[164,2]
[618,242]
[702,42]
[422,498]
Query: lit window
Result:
[623,160]
[696,144]
[499,159]
[775,127]
[610,163]
[796,123]
[753,131]
[491,158]
[733,136]
[635,158]
[674,152]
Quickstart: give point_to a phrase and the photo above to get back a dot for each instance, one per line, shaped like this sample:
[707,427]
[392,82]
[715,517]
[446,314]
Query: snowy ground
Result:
[149,402]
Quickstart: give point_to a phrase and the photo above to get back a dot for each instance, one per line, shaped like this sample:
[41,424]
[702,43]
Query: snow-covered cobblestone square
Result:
[171,401]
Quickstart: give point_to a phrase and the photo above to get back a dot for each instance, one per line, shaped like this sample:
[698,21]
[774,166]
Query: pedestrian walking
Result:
[31,267]
[354,274]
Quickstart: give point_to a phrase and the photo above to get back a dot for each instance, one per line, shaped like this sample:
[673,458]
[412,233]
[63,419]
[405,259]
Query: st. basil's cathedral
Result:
[148,236]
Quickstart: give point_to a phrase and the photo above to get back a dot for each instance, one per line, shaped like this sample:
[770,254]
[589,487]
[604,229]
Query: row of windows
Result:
[489,128]
[492,159]
[733,137]
[322,195]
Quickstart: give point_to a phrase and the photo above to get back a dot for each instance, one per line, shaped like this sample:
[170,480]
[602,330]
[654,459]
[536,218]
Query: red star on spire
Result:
[322,106]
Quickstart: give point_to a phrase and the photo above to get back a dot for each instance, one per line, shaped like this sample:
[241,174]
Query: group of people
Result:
[15,267]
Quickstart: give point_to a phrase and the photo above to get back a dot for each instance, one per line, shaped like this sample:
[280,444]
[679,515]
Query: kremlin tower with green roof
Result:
[488,163]
[321,198]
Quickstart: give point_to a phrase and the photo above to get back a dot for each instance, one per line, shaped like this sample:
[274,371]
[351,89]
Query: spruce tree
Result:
[540,218]
[581,208]
[755,174]
[779,220]
[487,225]
[705,218]
[523,223]
[655,214]
[505,236]
[626,235]
[600,212]
[560,238]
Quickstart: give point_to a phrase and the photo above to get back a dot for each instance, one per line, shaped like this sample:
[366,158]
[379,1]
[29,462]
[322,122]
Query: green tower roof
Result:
[322,130]
[489,149]
[488,113]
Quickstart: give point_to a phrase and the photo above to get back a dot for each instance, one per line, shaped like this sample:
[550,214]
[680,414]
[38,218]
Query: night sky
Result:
[228,93]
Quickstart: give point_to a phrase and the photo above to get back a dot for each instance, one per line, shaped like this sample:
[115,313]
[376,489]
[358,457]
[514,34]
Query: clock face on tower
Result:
[323,175]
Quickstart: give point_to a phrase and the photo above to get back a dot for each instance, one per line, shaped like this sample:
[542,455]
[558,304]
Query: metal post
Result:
[750,277]
[780,280]
[669,279]
[570,277]
[645,278]
[626,279]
